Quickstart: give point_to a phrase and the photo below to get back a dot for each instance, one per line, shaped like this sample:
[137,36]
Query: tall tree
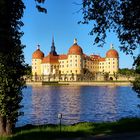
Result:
[119,16]
[12,66]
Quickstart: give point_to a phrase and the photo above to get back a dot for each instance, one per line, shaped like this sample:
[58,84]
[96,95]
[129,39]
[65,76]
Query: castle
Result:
[73,66]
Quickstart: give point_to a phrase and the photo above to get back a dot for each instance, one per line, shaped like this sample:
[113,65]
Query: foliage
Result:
[106,76]
[28,70]
[137,64]
[39,7]
[12,66]
[126,72]
[116,75]
[119,16]
[136,83]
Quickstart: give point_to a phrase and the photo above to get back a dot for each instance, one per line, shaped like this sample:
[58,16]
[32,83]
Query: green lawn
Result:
[50,132]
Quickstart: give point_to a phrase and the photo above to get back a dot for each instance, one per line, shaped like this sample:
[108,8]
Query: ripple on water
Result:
[77,104]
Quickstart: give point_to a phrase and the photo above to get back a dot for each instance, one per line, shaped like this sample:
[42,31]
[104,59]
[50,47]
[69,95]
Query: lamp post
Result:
[60,118]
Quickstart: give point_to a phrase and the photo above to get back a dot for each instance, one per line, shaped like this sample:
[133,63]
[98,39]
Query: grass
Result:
[52,132]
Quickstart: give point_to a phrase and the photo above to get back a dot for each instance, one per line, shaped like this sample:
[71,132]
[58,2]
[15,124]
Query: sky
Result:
[61,21]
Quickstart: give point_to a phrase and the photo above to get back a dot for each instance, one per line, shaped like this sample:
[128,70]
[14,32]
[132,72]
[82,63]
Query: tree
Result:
[137,64]
[12,66]
[106,76]
[127,72]
[136,83]
[116,75]
[120,16]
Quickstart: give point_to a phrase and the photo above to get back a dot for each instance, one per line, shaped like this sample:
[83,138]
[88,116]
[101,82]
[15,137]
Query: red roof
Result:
[95,56]
[63,56]
[37,54]
[101,59]
[50,59]
[75,49]
[86,56]
[112,53]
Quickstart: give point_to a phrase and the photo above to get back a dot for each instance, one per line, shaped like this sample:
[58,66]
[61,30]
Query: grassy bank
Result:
[51,132]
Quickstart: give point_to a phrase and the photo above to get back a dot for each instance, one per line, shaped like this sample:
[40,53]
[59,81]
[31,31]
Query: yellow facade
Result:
[74,63]
[36,66]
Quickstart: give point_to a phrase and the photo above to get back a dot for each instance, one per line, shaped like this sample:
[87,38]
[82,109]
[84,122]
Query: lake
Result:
[77,104]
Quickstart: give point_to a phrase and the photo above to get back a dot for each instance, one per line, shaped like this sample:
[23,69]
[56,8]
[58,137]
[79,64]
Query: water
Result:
[77,104]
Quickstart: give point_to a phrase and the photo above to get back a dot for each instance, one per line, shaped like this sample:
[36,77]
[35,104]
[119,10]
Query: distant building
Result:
[72,65]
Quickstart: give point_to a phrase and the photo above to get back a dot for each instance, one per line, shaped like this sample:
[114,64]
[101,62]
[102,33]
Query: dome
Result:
[75,49]
[37,54]
[112,53]
[50,59]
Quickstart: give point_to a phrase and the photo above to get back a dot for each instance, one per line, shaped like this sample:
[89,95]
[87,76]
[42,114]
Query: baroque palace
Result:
[73,66]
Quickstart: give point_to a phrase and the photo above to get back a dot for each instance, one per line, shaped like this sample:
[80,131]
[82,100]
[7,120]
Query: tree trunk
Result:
[2,126]
[8,127]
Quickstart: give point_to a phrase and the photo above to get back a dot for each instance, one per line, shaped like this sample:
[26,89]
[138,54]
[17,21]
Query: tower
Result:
[37,57]
[112,60]
[53,51]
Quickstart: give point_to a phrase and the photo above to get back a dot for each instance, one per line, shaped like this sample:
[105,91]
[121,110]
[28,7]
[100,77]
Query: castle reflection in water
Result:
[77,104]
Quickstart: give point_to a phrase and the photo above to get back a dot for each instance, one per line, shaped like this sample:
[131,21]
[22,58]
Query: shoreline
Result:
[94,83]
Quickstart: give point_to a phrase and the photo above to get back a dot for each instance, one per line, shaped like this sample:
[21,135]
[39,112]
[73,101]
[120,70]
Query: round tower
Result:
[112,60]
[37,57]
[75,54]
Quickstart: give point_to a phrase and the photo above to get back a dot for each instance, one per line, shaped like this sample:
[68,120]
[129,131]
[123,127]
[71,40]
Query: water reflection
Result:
[77,104]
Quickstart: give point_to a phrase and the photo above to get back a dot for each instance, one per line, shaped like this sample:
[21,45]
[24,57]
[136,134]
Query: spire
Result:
[38,46]
[53,41]
[53,48]
[111,46]
[75,41]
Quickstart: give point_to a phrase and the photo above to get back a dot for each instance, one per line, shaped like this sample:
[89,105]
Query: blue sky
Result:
[61,22]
